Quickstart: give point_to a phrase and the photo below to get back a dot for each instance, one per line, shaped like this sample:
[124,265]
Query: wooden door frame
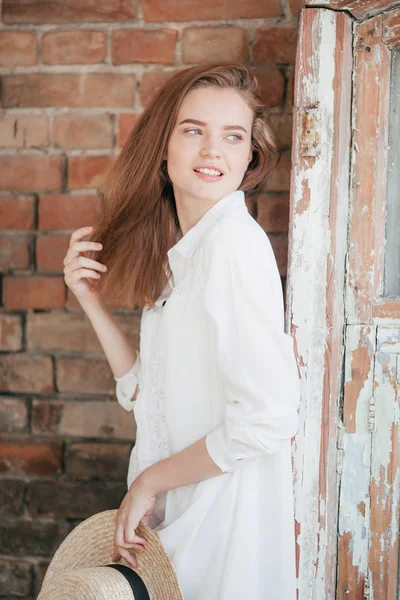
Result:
[359,9]
[335,296]
[316,278]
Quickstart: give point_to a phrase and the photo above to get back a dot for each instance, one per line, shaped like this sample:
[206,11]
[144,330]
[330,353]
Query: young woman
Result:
[214,386]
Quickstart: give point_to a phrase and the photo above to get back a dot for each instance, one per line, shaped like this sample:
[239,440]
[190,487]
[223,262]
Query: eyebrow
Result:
[226,127]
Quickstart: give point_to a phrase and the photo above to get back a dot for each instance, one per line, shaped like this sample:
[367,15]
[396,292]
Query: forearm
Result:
[117,348]
[190,465]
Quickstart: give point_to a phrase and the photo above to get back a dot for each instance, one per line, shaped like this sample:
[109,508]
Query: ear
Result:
[250,156]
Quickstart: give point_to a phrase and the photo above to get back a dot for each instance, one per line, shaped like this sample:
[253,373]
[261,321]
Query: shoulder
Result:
[240,240]
[240,263]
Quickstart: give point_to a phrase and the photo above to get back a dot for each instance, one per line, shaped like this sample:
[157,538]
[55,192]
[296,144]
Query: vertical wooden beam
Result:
[315,283]
[354,504]
[369,171]
[385,467]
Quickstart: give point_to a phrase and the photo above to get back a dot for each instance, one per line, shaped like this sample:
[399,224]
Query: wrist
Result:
[145,481]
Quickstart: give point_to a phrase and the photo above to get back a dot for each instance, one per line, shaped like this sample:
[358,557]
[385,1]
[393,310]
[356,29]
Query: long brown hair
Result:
[138,221]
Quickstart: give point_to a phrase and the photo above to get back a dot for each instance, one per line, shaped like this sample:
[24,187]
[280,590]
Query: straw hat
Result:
[81,568]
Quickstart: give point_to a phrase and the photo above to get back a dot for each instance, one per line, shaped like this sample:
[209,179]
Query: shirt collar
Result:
[189,242]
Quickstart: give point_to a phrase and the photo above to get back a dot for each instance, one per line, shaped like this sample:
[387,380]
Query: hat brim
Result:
[91,544]
[91,583]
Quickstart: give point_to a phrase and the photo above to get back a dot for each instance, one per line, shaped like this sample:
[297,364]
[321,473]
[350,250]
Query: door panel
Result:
[347,452]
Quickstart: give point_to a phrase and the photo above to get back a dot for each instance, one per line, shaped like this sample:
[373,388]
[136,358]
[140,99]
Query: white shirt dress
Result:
[214,360]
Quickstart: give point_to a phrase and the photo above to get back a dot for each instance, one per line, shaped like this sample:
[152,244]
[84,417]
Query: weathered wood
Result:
[365,466]
[369,171]
[387,310]
[391,28]
[385,467]
[360,9]
[355,451]
[392,247]
[317,249]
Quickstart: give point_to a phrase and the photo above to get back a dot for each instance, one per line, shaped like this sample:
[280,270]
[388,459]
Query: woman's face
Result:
[212,130]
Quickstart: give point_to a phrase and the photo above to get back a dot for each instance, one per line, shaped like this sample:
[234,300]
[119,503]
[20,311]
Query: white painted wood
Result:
[317,249]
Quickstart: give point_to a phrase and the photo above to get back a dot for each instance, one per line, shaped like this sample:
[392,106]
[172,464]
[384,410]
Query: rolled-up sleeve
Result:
[127,384]
[243,302]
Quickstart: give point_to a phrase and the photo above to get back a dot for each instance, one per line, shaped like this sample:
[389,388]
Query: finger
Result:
[122,538]
[133,546]
[128,557]
[137,547]
[76,247]
[115,556]
[79,273]
[81,232]
[84,261]
[119,539]
[132,538]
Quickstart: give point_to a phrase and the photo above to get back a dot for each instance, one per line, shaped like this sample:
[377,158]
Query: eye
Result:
[237,135]
[192,129]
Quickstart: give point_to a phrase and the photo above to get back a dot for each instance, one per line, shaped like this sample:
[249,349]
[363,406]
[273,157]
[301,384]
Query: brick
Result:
[24,131]
[251,204]
[17,212]
[282,125]
[290,75]
[151,83]
[10,332]
[82,419]
[106,461]
[84,376]
[52,11]
[273,212]
[272,85]
[70,131]
[275,44]
[296,6]
[13,415]
[73,47]
[12,494]
[88,171]
[279,243]
[63,211]
[176,10]
[40,567]
[125,123]
[32,538]
[26,373]
[26,173]
[15,577]
[50,253]
[279,179]
[19,457]
[68,89]
[214,44]
[143,46]
[17,48]
[15,253]
[71,332]
[37,291]
[73,499]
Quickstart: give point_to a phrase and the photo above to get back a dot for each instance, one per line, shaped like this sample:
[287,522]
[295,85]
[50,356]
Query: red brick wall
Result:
[75,76]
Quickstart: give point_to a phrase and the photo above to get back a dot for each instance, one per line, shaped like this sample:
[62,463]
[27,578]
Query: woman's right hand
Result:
[77,267]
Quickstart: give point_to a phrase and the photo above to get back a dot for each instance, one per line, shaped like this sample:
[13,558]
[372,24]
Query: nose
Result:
[210,147]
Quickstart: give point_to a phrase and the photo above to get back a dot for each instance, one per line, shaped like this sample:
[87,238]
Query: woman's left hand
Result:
[137,505]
